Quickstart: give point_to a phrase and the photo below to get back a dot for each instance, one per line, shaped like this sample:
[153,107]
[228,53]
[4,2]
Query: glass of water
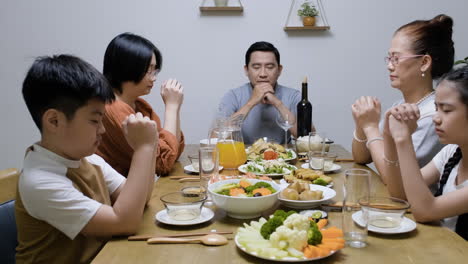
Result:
[355,187]
[208,158]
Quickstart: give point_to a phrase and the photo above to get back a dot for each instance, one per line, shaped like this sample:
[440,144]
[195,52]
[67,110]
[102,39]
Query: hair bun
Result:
[444,20]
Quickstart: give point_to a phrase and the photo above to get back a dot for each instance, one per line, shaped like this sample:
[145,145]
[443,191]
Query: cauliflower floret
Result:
[285,237]
[297,222]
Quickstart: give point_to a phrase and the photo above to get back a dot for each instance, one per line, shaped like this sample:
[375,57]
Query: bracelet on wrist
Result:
[391,162]
[358,139]
[369,141]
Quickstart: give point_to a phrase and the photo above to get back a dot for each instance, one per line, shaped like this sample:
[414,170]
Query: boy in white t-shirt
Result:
[70,200]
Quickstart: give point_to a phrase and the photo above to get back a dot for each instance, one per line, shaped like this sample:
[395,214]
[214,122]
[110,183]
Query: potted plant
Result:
[308,12]
[221,2]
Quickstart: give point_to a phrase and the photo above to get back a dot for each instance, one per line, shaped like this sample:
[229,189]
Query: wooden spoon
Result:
[210,240]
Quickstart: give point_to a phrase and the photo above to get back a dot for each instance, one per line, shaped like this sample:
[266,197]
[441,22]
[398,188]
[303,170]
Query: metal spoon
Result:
[211,240]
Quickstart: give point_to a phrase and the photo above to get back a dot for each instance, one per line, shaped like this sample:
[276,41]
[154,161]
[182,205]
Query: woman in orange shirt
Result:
[131,64]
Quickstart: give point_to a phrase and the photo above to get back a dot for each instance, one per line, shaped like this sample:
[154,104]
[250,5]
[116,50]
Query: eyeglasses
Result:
[152,73]
[395,60]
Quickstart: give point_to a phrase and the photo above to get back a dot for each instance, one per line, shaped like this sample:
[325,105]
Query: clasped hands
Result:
[264,93]
[400,121]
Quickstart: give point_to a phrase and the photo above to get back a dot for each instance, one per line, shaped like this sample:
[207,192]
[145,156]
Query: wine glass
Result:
[285,121]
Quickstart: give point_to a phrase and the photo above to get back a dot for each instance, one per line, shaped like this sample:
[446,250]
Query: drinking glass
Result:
[317,141]
[355,187]
[317,160]
[208,158]
[285,121]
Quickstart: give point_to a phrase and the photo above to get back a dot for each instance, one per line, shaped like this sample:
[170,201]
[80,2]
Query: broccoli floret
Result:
[270,226]
[313,224]
[250,188]
[283,214]
[314,236]
[224,192]
[262,184]
[320,181]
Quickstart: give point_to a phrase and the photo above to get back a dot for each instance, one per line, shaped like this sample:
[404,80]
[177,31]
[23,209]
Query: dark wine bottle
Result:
[304,113]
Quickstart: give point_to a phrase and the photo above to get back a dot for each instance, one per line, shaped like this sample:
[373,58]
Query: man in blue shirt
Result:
[262,99]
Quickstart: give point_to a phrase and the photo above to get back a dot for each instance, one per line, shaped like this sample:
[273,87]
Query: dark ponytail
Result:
[433,37]
[461,227]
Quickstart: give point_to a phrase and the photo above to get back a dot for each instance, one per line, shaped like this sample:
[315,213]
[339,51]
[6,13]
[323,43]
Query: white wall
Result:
[206,52]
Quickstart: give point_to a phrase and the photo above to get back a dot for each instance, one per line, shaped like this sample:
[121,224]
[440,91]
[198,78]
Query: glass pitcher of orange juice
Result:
[230,142]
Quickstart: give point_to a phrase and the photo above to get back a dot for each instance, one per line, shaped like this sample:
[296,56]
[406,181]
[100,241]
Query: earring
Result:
[423,74]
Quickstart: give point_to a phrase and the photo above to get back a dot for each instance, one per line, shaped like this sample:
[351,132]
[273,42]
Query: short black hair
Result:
[261,46]
[127,58]
[65,83]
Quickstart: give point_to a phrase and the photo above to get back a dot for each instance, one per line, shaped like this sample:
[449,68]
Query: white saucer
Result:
[206,215]
[335,167]
[190,168]
[407,225]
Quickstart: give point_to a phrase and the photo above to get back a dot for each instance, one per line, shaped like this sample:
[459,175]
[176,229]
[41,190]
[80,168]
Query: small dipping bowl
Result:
[329,160]
[194,161]
[384,212]
[183,207]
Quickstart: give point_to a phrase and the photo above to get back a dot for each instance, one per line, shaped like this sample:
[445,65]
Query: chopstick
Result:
[190,179]
[146,237]
[338,206]
[344,160]
[336,160]
[180,177]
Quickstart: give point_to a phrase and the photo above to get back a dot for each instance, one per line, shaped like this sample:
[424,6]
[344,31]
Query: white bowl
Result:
[328,194]
[243,207]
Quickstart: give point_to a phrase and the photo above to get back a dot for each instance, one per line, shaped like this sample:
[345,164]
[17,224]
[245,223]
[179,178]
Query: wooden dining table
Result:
[428,243]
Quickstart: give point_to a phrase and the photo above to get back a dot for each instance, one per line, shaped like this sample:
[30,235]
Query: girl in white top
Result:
[448,168]
[420,52]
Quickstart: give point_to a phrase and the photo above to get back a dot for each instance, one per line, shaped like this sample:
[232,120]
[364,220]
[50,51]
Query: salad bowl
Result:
[243,207]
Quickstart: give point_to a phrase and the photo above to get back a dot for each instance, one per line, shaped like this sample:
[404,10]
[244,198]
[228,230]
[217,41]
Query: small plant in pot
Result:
[308,12]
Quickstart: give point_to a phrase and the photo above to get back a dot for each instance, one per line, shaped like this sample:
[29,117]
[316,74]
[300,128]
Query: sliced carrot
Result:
[332,232]
[251,175]
[323,252]
[313,251]
[322,223]
[333,240]
[308,252]
[236,191]
[262,191]
[244,183]
[332,246]
[265,178]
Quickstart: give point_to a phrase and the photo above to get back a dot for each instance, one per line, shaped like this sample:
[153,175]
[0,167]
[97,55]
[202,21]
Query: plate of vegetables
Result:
[289,237]
[263,149]
[267,167]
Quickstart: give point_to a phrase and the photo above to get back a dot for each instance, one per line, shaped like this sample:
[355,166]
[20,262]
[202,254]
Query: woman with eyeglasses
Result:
[131,64]
[420,52]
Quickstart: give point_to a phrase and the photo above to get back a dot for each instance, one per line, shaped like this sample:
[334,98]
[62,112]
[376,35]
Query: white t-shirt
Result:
[48,195]
[425,140]
[439,161]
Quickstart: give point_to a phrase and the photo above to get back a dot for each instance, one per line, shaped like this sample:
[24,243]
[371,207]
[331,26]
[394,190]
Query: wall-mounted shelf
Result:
[294,22]
[307,28]
[221,5]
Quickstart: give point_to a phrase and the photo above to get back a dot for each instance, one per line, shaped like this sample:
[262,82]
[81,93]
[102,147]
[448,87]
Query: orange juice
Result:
[231,154]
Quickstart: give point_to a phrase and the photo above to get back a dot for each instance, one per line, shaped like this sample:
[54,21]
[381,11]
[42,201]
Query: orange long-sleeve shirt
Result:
[118,153]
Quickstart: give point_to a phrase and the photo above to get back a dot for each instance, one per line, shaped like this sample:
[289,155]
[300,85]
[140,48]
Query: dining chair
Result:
[8,239]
